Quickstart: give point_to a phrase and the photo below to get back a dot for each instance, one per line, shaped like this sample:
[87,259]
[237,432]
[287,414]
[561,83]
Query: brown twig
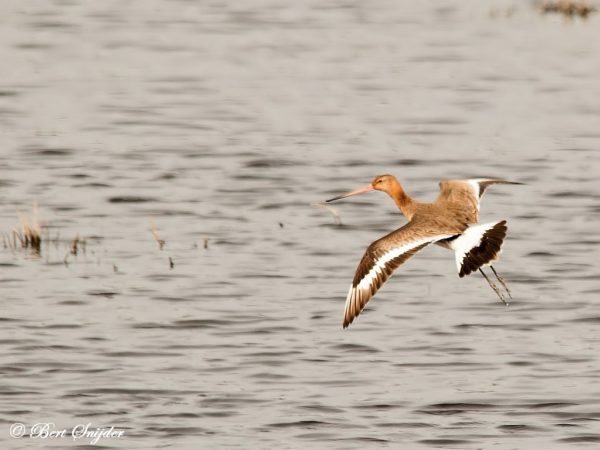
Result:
[161,242]
[568,8]
[74,245]
[30,235]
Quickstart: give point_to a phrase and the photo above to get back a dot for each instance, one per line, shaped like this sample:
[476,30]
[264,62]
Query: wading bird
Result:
[450,221]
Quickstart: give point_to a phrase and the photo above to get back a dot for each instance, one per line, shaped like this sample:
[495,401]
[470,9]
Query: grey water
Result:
[218,124]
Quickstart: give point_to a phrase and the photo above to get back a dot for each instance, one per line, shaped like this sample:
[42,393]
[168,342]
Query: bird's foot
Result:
[494,287]
[502,282]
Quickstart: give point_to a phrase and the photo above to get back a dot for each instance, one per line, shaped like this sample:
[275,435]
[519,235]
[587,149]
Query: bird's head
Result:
[383,183]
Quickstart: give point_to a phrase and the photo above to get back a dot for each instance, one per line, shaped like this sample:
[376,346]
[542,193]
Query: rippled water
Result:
[219,123]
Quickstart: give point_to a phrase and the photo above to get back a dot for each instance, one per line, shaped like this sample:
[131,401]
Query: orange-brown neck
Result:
[406,204]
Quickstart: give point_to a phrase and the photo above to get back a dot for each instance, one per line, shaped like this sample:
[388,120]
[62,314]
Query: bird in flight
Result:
[451,221]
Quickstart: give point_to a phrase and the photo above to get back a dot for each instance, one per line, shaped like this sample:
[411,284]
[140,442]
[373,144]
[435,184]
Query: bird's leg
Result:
[501,280]
[493,286]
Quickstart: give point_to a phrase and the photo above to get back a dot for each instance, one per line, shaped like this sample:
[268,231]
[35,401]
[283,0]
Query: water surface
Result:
[219,123]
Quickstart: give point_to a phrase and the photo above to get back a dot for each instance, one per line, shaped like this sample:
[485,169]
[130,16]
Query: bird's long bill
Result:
[368,188]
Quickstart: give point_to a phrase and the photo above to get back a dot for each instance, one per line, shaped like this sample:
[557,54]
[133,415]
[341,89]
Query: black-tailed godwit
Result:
[450,221]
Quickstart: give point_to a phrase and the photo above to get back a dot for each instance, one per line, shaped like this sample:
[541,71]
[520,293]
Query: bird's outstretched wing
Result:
[381,258]
[468,190]
[478,245]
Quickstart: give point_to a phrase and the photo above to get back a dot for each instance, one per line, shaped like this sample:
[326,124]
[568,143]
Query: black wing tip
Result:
[500,181]
[347,321]
[488,250]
